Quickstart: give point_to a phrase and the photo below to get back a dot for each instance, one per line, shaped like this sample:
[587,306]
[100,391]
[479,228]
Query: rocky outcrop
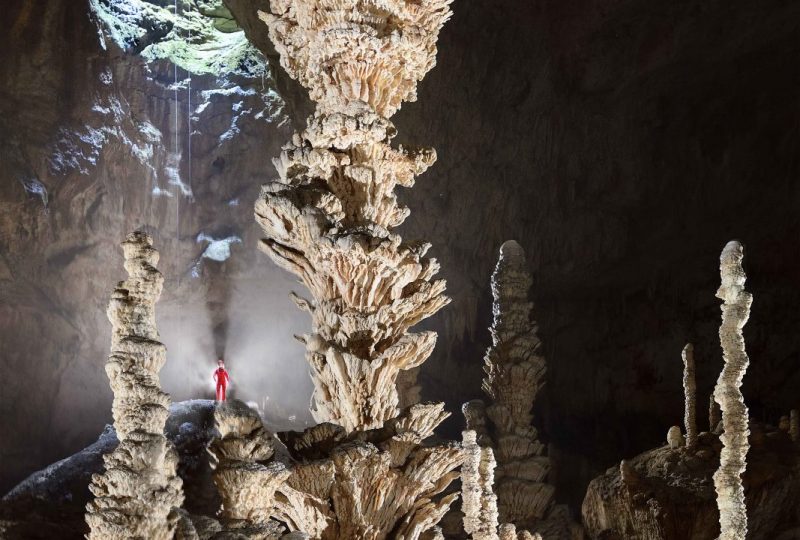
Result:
[139,490]
[735,312]
[669,493]
[329,215]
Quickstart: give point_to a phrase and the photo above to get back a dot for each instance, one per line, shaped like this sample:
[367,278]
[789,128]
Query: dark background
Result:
[622,143]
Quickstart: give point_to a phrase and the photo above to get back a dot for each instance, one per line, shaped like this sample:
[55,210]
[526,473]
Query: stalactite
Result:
[515,372]
[136,495]
[735,312]
[478,501]
[328,217]
[690,396]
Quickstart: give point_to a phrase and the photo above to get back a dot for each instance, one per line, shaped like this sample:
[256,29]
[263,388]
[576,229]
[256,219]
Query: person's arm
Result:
[215,375]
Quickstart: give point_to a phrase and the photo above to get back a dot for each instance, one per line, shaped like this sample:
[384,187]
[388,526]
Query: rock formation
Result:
[665,493]
[514,374]
[363,472]
[690,395]
[328,218]
[136,495]
[478,501]
[794,425]
[675,438]
[373,484]
[735,312]
[714,414]
[247,487]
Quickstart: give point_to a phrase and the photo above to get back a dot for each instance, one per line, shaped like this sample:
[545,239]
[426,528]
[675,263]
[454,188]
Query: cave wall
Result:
[88,153]
[621,143]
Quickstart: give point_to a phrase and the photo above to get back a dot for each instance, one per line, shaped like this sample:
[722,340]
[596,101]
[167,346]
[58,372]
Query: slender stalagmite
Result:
[690,395]
[714,414]
[794,425]
[735,312]
[136,495]
[329,217]
[479,503]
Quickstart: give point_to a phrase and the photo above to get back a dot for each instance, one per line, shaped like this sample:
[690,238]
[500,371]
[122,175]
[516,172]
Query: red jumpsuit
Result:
[221,377]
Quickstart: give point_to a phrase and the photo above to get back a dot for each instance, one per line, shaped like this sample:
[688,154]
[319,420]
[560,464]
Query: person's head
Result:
[221,362]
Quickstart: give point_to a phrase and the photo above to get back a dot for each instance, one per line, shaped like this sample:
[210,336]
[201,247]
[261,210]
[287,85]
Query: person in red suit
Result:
[221,378]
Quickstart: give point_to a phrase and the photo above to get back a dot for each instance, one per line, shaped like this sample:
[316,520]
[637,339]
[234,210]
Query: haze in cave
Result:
[399,269]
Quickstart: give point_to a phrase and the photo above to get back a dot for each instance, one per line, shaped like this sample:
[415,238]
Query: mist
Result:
[249,320]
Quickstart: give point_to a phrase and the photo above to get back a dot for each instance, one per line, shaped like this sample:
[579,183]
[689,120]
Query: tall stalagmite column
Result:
[134,498]
[514,374]
[735,312]
[329,217]
[690,396]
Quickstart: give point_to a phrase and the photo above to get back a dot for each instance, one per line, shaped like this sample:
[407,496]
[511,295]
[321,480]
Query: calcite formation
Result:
[515,372]
[478,501]
[714,414]
[666,494]
[136,495]
[675,438]
[735,312]
[372,484]
[329,216]
[246,486]
[690,395]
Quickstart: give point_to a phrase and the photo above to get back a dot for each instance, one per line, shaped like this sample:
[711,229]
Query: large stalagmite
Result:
[735,312]
[329,216]
[136,495]
[515,372]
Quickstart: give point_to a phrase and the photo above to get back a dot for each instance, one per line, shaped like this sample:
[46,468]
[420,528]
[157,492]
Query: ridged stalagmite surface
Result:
[135,497]
[735,312]
[369,485]
[329,215]
[514,374]
[247,487]
[690,395]
[479,503]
